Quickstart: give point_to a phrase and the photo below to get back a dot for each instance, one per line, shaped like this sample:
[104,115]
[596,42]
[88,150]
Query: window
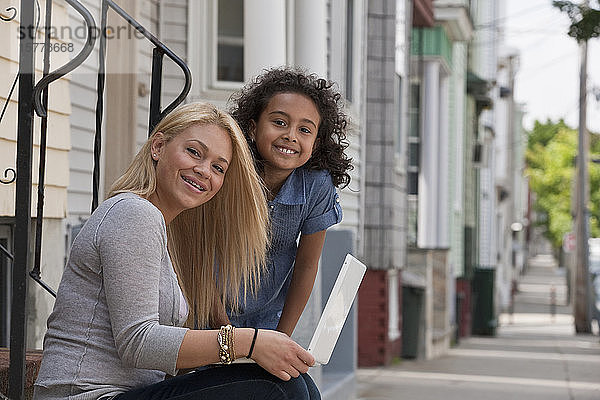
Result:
[5,285]
[413,139]
[230,41]
[414,149]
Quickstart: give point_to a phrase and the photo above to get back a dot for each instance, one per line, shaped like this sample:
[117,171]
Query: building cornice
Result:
[456,21]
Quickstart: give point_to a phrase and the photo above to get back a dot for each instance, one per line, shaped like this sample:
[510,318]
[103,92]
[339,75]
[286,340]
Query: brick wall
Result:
[374,345]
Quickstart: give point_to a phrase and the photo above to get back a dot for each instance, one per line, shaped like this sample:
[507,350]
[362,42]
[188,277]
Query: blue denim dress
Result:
[306,203]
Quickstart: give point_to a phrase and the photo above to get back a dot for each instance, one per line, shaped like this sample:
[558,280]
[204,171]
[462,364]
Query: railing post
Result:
[155,89]
[18,331]
[99,105]
[39,219]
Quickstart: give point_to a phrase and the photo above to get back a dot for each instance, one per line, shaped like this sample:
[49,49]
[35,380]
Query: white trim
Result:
[456,20]
[311,36]
[338,34]
[290,14]
[361,17]
[230,40]
[445,69]
[358,43]
[429,168]
[337,37]
[443,208]
[264,35]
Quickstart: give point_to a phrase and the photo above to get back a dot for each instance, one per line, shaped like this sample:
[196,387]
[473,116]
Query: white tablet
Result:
[335,313]
[336,310]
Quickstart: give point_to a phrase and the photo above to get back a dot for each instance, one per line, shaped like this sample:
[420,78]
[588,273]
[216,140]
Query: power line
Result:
[549,20]
[553,62]
[502,40]
[543,31]
[493,22]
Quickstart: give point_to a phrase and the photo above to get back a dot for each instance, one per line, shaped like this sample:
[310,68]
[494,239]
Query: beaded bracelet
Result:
[225,337]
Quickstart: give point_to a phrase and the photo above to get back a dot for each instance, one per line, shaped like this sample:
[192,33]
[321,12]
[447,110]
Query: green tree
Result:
[585,20]
[550,157]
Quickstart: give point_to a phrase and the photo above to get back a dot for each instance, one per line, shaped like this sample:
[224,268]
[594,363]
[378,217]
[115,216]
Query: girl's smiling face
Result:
[190,168]
[286,132]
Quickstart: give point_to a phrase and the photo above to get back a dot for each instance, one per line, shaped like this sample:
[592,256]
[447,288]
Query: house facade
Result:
[436,195]
[56,178]
[225,43]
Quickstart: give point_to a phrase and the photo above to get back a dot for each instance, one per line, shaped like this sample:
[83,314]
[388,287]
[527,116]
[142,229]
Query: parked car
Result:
[594,271]
[594,251]
[595,280]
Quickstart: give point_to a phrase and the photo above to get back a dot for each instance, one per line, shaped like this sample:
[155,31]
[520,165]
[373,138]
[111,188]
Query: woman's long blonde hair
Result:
[220,246]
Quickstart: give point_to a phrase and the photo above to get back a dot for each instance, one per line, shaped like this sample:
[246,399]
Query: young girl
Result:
[117,323]
[296,129]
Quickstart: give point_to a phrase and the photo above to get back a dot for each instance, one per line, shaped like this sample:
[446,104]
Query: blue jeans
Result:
[243,381]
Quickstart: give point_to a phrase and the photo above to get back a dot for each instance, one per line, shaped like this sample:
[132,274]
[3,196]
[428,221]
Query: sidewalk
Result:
[533,357]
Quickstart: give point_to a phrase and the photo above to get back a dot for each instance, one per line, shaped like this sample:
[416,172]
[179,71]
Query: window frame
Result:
[414,114]
[202,23]
[215,41]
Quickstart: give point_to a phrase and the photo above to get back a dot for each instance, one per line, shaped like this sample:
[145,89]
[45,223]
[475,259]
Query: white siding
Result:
[459,60]
[84,94]
[352,197]
[173,32]
[147,15]
[58,143]
[83,119]
[39,302]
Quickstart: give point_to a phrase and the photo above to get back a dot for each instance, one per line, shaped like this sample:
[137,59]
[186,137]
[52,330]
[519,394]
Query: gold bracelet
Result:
[225,338]
[232,343]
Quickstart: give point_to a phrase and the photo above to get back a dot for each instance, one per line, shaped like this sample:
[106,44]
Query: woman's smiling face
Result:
[190,168]
[286,132]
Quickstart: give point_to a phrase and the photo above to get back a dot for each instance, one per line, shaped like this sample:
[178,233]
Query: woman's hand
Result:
[280,355]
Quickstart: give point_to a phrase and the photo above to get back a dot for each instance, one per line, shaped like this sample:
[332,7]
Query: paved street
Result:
[533,356]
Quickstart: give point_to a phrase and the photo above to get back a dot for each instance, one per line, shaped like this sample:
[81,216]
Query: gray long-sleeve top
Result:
[116,321]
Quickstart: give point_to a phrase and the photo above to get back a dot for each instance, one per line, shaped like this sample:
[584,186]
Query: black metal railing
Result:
[156,114]
[22,203]
[35,97]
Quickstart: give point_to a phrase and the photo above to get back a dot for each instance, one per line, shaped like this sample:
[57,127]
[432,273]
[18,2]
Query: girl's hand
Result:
[280,355]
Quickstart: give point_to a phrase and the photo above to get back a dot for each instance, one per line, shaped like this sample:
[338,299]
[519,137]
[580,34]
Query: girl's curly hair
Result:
[252,99]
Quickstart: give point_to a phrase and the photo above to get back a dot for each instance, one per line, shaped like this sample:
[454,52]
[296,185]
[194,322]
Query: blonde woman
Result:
[188,214]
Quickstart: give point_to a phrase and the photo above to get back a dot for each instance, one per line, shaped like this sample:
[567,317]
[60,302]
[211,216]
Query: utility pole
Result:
[510,145]
[581,306]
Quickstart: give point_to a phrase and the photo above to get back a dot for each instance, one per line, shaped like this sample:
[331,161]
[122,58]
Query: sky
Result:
[547,81]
